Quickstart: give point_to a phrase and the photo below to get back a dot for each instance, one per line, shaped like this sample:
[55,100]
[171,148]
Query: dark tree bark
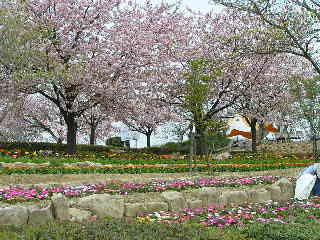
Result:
[314,141]
[72,128]
[262,132]
[148,140]
[93,135]
[253,124]
[201,141]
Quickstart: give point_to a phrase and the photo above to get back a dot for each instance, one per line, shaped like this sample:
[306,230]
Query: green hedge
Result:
[36,146]
[183,147]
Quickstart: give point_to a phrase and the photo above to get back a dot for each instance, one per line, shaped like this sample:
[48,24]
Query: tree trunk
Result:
[201,141]
[253,134]
[93,135]
[191,137]
[148,140]
[314,141]
[71,134]
[262,132]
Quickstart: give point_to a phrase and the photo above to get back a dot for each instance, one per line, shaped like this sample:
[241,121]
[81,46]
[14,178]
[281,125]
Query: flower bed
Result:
[247,221]
[13,194]
[20,168]
[283,213]
[146,158]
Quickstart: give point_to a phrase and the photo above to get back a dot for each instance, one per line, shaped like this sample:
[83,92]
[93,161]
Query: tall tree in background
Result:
[15,54]
[288,26]
[95,123]
[306,93]
[14,128]
[266,94]
[231,73]
[91,48]
[45,118]
[145,116]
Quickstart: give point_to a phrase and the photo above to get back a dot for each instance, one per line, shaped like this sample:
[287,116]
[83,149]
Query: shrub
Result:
[114,142]
[36,146]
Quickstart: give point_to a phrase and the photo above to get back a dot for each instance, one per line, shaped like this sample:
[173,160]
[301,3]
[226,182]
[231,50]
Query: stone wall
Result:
[119,206]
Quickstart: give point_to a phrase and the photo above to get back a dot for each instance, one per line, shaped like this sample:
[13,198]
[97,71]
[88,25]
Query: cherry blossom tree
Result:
[290,26]
[44,118]
[146,116]
[228,73]
[15,52]
[13,129]
[306,95]
[97,121]
[266,93]
[91,48]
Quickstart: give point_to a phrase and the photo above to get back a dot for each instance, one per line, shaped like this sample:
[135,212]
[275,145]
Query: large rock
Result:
[40,215]
[193,204]
[275,192]
[231,198]
[175,200]
[79,214]
[14,215]
[133,209]
[103,205]
[287,188]
[207,195]
[60,205]
[156,206]
[258,195]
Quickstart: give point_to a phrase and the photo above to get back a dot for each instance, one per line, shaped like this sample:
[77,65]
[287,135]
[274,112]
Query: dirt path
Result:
[75,179]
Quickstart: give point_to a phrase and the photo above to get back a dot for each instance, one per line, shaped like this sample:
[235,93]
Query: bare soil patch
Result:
[75,179]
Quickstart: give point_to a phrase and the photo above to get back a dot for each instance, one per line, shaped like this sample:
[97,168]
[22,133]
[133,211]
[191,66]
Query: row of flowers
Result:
[138,158]
[19,193]
[146,168]
[219,216]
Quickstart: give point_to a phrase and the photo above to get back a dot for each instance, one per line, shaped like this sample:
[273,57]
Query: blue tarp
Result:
[316,188]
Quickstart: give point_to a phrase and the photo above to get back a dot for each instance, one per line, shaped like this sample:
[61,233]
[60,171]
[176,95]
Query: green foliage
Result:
[276,231]
[198,103]
[118,229]
[218,141]
[306,93]
[114,141]
[36,146]
[174,147]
